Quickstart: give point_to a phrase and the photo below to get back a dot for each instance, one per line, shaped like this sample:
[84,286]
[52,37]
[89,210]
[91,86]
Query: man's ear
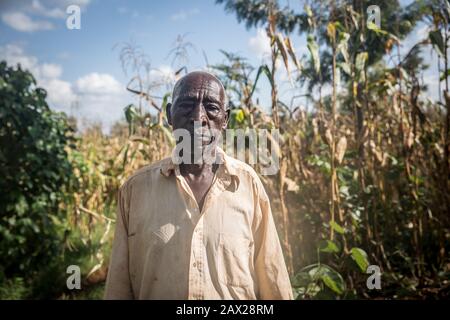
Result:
[227,117]
[169,113]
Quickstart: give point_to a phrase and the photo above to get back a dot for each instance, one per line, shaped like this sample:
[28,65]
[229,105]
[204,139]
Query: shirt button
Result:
[194,265]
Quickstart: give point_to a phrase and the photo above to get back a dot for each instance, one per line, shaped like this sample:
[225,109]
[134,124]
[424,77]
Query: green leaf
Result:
[328,246]
[444,75]
[331,31]
[342,46]
[336,227]
[131,114]
[168,134]
[308,11]
[361,59]
[141,139]
[125,156]
[360,257]
[291,52]
[314,51]
[360,63]
[164,102]
[437,40]
[282,48]
[372,26]
[237,117]
[262,69]
[345,67]
[144,154]
[330,277]
[301,279]
[333,280]
[240,116]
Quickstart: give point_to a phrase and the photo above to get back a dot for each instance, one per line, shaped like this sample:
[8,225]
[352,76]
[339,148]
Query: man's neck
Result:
[202,167]
[197,170]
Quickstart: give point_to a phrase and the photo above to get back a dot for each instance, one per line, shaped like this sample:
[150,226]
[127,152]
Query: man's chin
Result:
[206,141]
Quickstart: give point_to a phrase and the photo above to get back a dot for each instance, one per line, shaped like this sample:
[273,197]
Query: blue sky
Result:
[152,25]
[81,65]
[65,61]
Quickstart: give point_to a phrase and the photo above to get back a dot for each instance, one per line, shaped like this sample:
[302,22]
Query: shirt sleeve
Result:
[118,284]
[271,273]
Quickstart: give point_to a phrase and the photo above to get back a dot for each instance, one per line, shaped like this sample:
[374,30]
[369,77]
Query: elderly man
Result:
[196,230]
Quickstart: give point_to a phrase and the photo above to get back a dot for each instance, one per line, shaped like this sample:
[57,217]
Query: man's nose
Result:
[199,114]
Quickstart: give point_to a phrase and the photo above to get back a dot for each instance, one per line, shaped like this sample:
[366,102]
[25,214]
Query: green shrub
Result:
[34,170]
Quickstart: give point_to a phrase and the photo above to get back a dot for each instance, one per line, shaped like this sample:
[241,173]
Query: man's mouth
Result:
[204,136]
[207,139]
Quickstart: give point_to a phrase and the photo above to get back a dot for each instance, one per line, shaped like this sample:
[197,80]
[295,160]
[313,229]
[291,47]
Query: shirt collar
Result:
[227,171]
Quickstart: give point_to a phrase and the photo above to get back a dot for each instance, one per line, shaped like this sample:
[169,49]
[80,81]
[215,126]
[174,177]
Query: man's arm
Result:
[272,277]
[118,284]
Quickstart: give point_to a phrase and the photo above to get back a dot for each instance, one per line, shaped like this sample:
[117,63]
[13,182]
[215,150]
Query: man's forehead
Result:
[195,82]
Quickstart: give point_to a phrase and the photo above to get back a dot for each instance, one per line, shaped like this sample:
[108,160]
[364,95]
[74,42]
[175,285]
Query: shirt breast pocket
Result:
[147,245]
[234,260]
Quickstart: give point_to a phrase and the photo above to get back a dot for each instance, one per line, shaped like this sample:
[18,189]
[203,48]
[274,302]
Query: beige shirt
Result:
[165,248]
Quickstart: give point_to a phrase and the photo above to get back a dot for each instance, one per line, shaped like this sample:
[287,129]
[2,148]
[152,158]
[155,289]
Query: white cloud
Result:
[14,55]
[50,70]
[39,9]
[66,3]
[53,6]
[164,75]
[260,44]
[21,22]
[60,93]
[31,16]
[100,84]
[184,14]
[101,99]
[98,97]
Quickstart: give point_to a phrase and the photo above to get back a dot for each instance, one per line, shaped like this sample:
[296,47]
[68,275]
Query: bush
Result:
[35,171]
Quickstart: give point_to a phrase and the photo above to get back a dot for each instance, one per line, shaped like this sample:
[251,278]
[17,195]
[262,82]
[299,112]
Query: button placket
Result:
[196,270]
[200,259]
[196,267]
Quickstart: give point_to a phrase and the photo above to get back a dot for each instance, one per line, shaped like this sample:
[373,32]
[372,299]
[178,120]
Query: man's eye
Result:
[212,107]
[186,106]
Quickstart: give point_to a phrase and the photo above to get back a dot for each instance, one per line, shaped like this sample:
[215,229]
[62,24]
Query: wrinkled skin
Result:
[198,96]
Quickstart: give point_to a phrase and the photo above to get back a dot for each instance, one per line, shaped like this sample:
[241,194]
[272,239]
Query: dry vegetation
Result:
[364,171]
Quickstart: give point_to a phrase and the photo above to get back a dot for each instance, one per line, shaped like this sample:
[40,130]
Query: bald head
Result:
[192,79]
[198,97]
